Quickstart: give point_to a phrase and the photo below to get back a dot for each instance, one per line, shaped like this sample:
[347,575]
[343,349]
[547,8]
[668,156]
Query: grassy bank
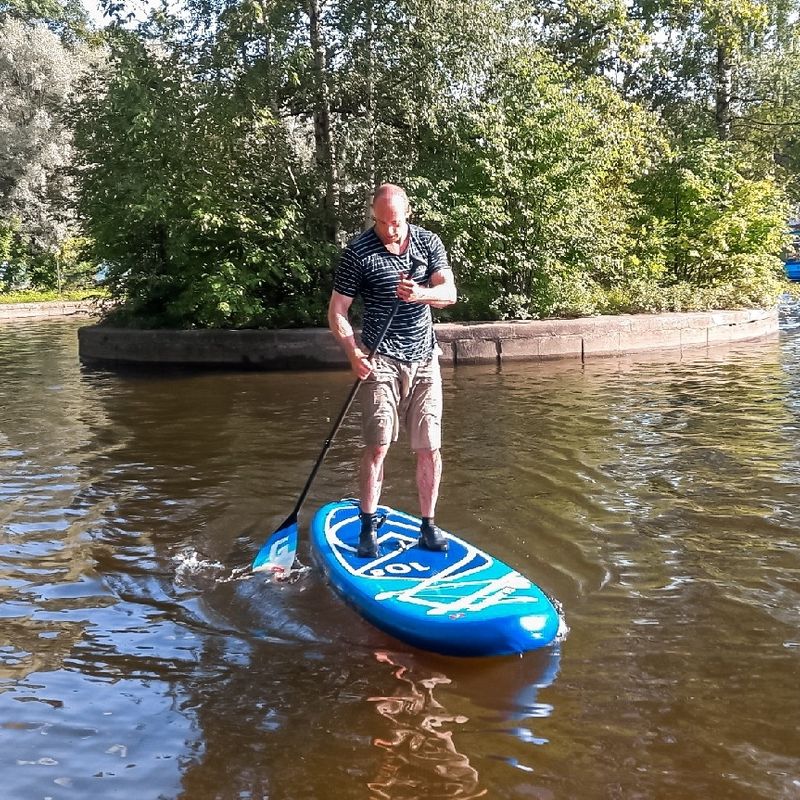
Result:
[37,296]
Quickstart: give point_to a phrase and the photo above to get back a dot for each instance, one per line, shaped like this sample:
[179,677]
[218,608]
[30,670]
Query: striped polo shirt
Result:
[368,269]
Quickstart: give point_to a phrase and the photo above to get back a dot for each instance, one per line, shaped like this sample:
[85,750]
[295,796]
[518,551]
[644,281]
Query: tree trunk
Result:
[323,131]
[724,90]
[370,179]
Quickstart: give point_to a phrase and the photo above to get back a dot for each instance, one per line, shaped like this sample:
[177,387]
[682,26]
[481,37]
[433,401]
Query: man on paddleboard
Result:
[402,383]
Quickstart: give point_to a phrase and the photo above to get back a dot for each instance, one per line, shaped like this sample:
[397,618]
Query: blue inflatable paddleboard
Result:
[462,602]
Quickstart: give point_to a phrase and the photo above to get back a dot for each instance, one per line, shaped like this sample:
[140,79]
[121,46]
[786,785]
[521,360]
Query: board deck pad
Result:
[460,602]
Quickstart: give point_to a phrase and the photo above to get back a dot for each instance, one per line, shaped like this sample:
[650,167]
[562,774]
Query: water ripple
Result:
[657,498]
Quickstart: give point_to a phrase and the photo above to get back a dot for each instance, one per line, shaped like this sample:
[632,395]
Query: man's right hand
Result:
[360,364]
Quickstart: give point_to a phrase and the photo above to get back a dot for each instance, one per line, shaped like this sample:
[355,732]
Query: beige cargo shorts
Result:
[401,392]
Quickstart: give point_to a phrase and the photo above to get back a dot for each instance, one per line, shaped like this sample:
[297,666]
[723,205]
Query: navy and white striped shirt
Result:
[368,269]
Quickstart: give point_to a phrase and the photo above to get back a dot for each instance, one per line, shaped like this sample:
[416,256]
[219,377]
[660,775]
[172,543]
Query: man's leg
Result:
[371,476]
[371,480]
[379,401]
[429,476]
[424,420]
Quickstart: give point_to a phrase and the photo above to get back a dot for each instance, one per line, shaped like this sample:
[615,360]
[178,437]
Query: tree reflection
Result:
[421,757]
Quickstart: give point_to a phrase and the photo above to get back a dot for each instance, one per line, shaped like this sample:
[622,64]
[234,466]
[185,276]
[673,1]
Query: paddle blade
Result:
[278,552]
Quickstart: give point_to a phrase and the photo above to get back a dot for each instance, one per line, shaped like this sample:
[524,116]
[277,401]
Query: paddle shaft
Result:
[343,412]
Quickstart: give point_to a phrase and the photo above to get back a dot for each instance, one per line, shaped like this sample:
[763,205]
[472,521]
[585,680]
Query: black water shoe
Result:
[368,538]
[431,538]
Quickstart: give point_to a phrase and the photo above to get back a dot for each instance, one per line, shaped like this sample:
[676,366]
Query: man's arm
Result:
[440,293]
[339,323]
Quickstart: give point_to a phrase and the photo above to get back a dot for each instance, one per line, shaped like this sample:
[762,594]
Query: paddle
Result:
[278,552]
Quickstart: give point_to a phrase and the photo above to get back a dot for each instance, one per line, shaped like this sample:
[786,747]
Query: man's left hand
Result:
[409,291]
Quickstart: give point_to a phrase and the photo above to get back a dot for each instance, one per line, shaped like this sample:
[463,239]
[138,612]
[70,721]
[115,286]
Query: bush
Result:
[541,212]
[40,296]
[717,229]
[192,198]
[567,201]
[553,194]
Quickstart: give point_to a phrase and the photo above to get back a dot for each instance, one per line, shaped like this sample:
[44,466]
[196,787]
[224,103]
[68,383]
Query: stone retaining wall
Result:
[54,308]
[471,343]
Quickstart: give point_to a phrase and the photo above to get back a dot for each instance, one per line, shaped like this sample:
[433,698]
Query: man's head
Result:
[390,210]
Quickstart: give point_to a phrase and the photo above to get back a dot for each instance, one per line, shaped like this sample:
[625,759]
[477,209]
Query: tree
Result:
[228,149]
[540,213]
[720,228]
[401,69]
[767,127]
[189,191]
[66,18]
[37,76]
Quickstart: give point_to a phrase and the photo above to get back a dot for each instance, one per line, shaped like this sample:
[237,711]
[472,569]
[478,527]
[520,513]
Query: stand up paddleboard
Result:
[462,602]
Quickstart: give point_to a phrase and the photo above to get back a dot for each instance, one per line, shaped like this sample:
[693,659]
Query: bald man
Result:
[402,383]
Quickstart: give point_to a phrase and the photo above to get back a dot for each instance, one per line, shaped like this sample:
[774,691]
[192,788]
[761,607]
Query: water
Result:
[657,499]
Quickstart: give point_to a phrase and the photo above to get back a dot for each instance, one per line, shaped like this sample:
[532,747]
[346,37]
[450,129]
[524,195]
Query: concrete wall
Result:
[472,343]
[55,308]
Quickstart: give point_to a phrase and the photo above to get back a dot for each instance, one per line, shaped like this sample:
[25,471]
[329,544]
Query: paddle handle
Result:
[345,408]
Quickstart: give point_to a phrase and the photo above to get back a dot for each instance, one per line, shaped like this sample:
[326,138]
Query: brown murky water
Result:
[658,500]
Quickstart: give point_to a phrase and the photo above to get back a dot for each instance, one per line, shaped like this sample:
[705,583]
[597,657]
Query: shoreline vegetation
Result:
[51,296]
[205,164]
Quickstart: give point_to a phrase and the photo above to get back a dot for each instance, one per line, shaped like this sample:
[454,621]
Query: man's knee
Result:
[429,454]
[375,453]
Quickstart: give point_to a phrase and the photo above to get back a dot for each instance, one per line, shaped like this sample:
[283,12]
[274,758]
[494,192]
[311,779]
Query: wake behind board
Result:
[463,602]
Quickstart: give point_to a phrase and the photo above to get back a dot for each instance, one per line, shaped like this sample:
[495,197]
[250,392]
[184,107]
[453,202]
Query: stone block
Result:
[693,338]
[520,349]
[561,347]
[757,329]
[476,351]
[52,308]
[637,341]
[448,356]
[719,332]
[601,344]
[475,343]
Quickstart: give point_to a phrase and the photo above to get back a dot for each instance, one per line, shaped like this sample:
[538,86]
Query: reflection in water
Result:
[421,758]
[657,499]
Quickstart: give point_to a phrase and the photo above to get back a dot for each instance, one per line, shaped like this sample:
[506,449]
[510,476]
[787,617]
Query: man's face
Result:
[391,220]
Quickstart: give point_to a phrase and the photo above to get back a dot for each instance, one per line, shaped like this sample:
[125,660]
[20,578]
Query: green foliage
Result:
[565,153]
[190,195]
[24,265]
[542,210]
[38,73]
[767,131]
[44,296]
[717,227]
[75,267]
[68,18]
[569,201]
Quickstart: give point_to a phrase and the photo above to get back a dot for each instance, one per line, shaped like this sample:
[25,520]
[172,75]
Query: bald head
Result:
[390,210]
[392,194]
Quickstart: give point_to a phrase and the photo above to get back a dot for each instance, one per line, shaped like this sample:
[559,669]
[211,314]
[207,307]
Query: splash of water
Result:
[194,570]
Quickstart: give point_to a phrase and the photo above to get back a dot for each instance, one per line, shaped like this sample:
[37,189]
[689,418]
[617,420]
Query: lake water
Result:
[656,498]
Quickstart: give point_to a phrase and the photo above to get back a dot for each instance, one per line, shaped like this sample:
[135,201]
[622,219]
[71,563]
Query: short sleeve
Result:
[437,255]
[348,274]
